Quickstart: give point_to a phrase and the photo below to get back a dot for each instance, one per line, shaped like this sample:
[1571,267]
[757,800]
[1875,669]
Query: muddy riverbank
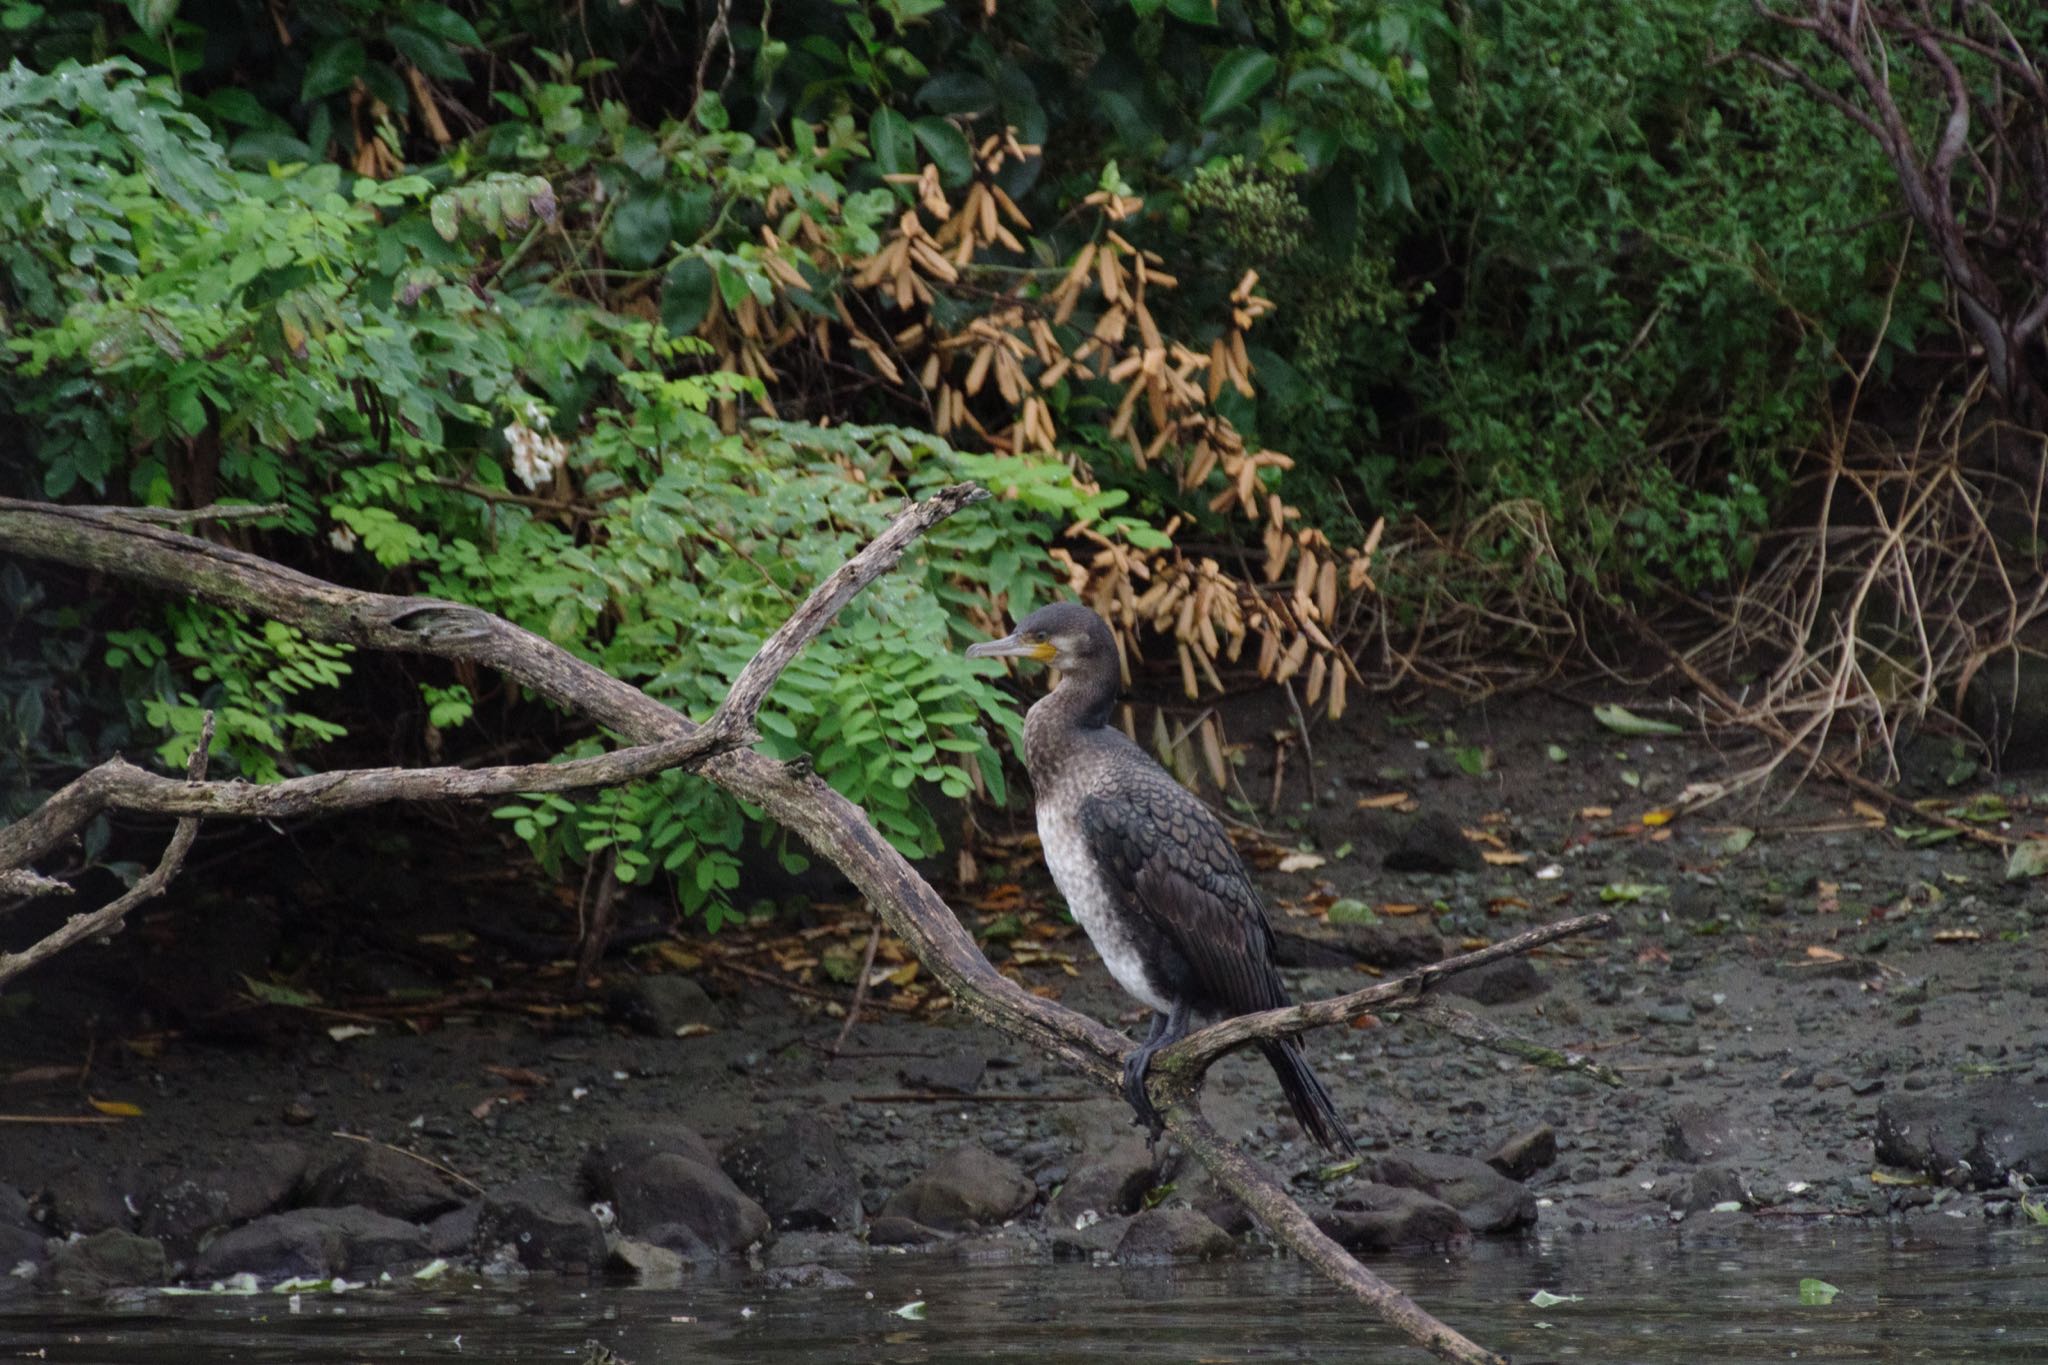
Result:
[1815,1012]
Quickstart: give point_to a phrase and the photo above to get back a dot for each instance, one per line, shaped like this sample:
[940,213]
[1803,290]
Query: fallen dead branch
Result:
[791,794]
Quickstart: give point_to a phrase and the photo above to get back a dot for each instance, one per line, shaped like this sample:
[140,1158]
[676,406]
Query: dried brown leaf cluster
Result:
[997,376]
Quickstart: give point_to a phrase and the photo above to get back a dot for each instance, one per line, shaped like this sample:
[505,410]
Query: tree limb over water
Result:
[107,541]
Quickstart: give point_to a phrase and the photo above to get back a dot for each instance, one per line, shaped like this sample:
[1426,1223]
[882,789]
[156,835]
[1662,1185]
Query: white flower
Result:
[343,539]
[535,457]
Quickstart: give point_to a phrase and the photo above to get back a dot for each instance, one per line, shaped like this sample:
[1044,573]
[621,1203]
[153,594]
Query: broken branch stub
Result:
[790,794]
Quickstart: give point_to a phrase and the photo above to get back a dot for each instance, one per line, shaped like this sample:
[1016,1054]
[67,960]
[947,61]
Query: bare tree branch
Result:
[106,919]
[790,794]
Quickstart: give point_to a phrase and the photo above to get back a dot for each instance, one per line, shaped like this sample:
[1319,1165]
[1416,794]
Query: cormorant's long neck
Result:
[1084,700]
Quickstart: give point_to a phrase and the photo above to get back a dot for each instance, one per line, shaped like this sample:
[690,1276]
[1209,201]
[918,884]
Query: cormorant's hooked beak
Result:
[1013,647]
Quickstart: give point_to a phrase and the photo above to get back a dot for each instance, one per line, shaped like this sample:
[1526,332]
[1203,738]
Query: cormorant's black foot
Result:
[1147,1116]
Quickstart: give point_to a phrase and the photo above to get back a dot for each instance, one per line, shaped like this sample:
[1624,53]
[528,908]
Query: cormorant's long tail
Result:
[1313,1108]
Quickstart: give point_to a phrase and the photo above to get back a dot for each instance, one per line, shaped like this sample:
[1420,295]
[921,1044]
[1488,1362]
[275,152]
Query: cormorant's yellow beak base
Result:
[1013,647]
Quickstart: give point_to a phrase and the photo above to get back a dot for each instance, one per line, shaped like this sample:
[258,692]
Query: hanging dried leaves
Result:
[992,376]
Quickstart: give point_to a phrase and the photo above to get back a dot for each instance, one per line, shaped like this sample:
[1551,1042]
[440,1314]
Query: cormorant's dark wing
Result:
[1167,857]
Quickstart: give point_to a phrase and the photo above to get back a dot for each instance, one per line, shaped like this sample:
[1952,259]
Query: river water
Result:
[1962,1293]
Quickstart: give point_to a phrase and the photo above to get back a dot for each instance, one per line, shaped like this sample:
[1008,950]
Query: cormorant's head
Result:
[1066,635]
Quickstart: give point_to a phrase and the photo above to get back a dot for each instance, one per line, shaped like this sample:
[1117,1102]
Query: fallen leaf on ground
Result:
[1501,857]
[1872,816]
[1623,721]
[1957,936]
[30,1075]
[119,1109]
[693,1030]
[1819,954]
[516,1075]
[1595,812]
[2029,858]
[1827,897]
[1301,862]
[1654,818]
[1385,801]
[1400,908]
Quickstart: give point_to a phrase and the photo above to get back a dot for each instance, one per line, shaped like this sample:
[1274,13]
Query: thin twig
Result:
[860,988]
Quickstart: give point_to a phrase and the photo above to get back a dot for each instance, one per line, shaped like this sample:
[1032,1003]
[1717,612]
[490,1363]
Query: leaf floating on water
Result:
[432,1270]
[1623,721]
[1543,1298]
[1816,1293]
[914,1310]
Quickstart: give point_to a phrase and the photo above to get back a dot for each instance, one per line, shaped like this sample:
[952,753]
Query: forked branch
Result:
[103,540]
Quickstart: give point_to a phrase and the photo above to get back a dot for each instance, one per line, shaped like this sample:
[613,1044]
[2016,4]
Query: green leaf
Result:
[2029,858]
[333,67]
[443,23]
[640,230]
[1201,12]
[1816,1293]
[947,147]
[1623,721]
[957,92]
[895,146]
[1237,80]
[431,55]
[153,16]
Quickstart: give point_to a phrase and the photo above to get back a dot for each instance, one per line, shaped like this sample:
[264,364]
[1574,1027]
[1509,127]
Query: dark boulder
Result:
[85,1199]
[1110,1184]
[1428,842]
[1699,1133]
[1172,1234]
[1503,983]
[545,1227]
[664,1006]
[1526,1153]
[617,1152]
[22,1243]
[667,1188]
[799,1173]
[966,1188]
[454,1232]
[390,1182]
[1709,1188]
[251,1181]
[108,1260]
[312,1243]
[1373,1217]
[1485,1199]
[1976,1136]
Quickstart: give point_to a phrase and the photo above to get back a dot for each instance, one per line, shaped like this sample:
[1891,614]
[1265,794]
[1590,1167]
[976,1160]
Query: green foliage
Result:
[1554,270]
[187,330]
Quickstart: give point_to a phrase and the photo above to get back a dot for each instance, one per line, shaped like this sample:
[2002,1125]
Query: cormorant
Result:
[1145,866]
